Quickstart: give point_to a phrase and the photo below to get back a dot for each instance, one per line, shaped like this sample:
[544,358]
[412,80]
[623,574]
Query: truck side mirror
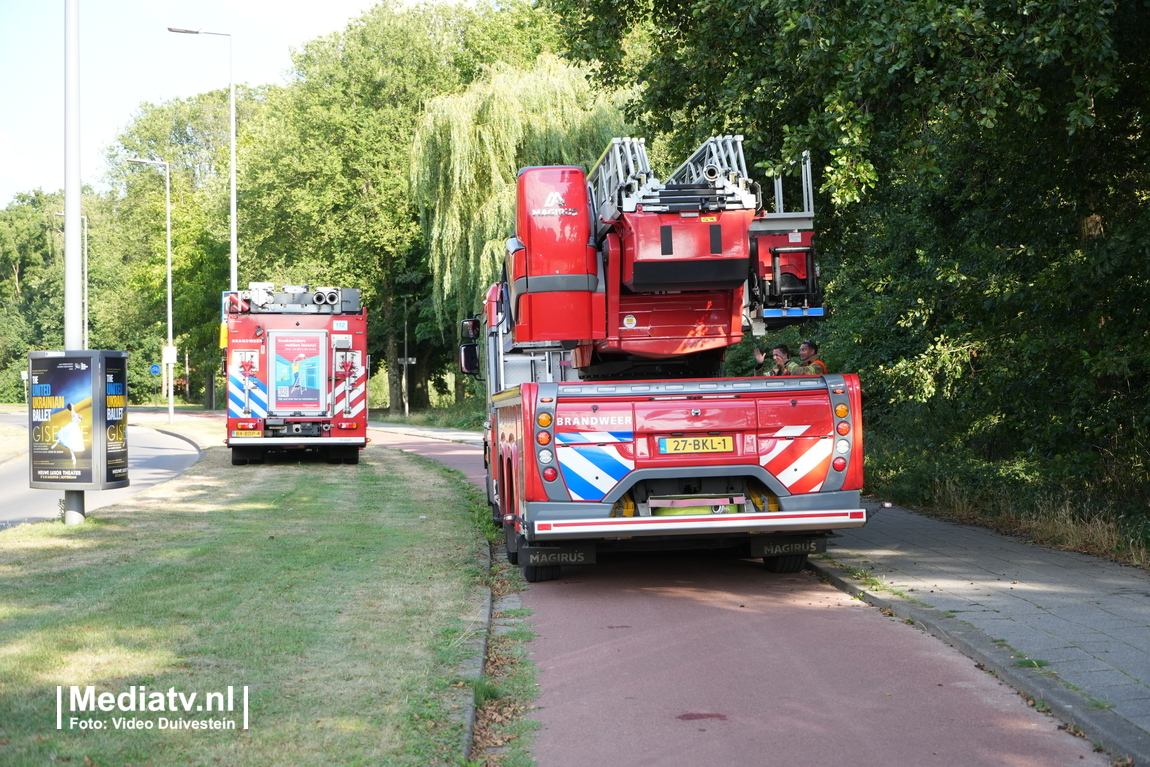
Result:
[469,359]
[470,329]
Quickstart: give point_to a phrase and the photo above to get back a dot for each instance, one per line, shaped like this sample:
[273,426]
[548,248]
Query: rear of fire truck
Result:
[611,425]
[297,369]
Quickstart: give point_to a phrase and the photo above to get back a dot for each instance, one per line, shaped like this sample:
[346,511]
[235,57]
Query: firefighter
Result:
[810,364]
[784,365]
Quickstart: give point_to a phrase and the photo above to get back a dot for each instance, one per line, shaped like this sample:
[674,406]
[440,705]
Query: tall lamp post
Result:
[73,333]
[169,358]
[232,172]
[84,219]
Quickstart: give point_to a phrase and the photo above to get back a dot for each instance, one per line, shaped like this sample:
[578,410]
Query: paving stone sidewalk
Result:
[1084,620]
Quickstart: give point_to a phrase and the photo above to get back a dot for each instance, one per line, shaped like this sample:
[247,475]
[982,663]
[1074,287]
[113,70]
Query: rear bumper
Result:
[570,528]
[290,439]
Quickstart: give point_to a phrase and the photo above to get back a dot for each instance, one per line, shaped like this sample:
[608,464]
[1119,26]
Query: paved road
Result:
[153,457]
[698,659]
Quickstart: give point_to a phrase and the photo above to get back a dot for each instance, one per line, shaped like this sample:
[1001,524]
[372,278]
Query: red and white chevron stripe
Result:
[349,398]
[801,463]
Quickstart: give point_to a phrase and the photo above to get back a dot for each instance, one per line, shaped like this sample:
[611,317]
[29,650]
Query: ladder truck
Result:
[610,424]
[297,368]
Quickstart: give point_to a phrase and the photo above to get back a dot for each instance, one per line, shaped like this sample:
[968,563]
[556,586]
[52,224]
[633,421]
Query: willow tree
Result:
[467,153]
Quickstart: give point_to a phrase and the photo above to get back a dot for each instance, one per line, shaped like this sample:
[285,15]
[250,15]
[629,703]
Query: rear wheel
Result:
[239,456]
[537,573]
[787,563]
[351,455]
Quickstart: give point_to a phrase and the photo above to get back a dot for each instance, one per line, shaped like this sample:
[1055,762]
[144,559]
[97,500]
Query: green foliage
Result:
[983,211]
[31,284]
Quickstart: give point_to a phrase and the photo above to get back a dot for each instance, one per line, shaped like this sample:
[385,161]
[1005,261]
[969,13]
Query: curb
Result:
[175,434]
[473,671]
[1103,727]
[189,440]
[474,667]
[459,436]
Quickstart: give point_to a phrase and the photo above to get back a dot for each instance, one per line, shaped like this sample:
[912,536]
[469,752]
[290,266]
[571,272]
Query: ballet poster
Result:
[61,421]
[115,384]
[77,419]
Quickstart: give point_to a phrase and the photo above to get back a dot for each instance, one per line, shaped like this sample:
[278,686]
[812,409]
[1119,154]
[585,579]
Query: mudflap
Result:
[583,554]
[782,545]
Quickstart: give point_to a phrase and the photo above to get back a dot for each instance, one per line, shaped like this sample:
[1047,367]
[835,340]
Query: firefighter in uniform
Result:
[784,365]
[810,364]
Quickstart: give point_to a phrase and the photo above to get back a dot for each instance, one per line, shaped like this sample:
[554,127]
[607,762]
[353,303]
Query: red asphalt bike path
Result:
[697,659]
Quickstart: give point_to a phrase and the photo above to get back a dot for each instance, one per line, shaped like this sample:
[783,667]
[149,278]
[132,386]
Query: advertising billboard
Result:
[77,420]
[299,371]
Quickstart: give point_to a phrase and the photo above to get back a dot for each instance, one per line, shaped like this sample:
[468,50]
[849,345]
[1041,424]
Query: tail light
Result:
[543,438]
[840,463]
[550,474]
[347,425]
[844,428]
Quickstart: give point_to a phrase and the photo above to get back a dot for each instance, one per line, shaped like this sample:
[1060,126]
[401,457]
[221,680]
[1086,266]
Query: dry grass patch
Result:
[1057,522]
[337,594]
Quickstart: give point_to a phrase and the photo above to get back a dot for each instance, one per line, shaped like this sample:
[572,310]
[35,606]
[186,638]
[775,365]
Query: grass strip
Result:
[341,596]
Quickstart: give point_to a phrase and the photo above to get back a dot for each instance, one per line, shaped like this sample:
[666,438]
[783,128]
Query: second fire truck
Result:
[297,369]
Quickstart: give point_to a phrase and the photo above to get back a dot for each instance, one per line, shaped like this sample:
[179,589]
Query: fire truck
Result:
[610,422]
[297,369]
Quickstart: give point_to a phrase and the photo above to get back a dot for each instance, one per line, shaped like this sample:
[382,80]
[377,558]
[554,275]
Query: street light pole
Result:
[84,219]
[169,356]
[73,193]
[232,171]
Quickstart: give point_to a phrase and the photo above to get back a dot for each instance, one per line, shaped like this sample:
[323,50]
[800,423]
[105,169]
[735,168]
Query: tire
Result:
[239,456]
[537,573]
[512,544]
[787,563]
[351,455]
[256,454]
[335,455]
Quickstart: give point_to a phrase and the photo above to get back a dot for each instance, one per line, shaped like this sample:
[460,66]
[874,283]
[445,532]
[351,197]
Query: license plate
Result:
[247,433]
[677,445]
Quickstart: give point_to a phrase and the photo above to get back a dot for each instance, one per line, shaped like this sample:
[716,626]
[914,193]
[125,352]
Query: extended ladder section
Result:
[713,179]
[619,268]
[719,170]
[620,176]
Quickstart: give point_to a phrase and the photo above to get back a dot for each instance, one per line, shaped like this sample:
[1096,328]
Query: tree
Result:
[984,168]
[327,180]
[31,284]
[129,255]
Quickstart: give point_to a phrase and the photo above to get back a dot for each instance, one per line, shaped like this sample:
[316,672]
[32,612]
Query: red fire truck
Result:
[297,368]
[611,425]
